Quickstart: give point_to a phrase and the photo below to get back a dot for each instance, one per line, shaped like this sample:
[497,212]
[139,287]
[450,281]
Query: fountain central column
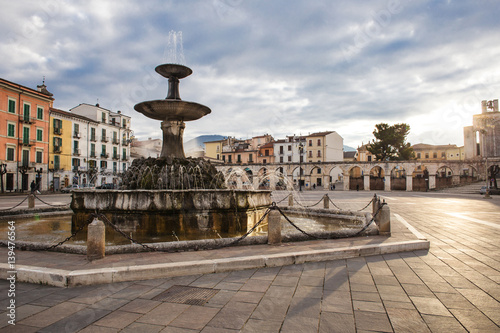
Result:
[173,131]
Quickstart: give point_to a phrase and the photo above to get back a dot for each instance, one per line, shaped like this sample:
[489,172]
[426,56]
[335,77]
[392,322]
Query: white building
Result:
[109,142]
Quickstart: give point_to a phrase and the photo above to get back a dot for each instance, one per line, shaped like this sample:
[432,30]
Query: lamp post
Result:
[38,178]
[301,150]
[3,171]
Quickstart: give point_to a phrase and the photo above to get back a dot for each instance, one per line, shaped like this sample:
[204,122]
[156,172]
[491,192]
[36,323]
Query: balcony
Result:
[104,139]
[27,142]
[76,135]
[116,141]
[76,152]
[58,130]
[57,149]
[27,119]
[92,154]
[124,158]
[104,155]
[116,157]
[125,142]
[93,138]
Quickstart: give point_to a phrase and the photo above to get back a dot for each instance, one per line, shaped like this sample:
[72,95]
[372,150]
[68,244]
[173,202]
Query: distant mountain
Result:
[196,144]
[347,148]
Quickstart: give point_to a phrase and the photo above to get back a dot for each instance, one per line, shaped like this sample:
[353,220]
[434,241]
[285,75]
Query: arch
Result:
[377,178]
[444,177]
[298,177]
[316,176]
[420,179]
[336,175]
[356,181]
[398,178]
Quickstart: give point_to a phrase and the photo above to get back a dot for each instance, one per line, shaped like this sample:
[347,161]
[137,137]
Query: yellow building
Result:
[426,152]
[60,154]
[213,149]
[364,155]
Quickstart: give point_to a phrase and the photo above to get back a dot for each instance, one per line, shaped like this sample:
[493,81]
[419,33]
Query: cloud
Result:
[275,67]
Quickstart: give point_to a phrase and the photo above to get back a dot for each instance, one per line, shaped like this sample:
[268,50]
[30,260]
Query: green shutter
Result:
[12,106]
[39,135]
[11,130]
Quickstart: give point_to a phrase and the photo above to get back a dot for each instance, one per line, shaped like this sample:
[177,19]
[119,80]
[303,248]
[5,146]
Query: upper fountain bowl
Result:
[173,70]
[165,109]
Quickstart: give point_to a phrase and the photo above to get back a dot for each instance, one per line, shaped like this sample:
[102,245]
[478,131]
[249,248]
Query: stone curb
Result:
[66,278]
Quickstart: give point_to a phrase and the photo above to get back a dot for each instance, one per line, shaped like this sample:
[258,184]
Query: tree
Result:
[390,142]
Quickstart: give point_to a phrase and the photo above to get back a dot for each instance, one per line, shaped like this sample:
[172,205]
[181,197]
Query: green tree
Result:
[390,142]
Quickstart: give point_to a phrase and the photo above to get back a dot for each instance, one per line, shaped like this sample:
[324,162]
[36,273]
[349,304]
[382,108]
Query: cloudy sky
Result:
[278,67]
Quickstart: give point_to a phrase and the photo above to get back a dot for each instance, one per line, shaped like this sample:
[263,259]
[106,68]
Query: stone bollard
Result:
[96,240]
[31,201]
[383,220]
[290,200]
[274,227]
[326,202]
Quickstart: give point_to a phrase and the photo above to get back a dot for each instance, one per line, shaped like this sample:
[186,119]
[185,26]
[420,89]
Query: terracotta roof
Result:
[267,145]
[320,133]
[19,86]
[70,114]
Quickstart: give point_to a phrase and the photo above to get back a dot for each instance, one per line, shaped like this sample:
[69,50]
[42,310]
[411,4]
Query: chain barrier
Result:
[48,203]
[87,222]
[19,204]
[105,219]
[315,237]
[283,199]
[359,210]
[273,206]
[305,206]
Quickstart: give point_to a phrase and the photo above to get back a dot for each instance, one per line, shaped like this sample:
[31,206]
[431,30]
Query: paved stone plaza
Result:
[453,287]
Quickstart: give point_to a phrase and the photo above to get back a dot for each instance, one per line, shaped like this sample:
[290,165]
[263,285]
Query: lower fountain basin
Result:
[173,211]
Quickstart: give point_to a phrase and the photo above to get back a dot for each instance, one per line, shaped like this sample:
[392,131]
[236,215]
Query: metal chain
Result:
[359,210]
[19,204]
[48,203]
[273,206]
[87,222]
[283,199]
[105,219]
[315,237]
[309,205]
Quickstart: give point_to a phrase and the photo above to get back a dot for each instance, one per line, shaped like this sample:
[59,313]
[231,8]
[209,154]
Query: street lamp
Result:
[301,151]
[3,171]
[38,178]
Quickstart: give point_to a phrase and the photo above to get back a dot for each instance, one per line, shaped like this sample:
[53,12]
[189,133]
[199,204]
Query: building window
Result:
[104,164]
[224,158]
[92,134]
[218,155]
[310,153]
[12,106]
[427,155]
[319,170]
[10,154]
[11,130]
[238,158]
[319,153]
[39,134]
[103,150]
[281,149]
[57,162]
[289,158]
[289,147]
[124,154]
[58,126]
[27,112]
[103,117]
[369,158]
[124,167]
[281,159]
[310,143]
[434,155]
[250,158]
[319,142]
[75,162]
[76,149]
[39,113]
[229,159]
[115,153]
[26,158]
[266,152]
[26,135]
[443,154]
[264,161]
[419,155]
[115,167]
[92,150]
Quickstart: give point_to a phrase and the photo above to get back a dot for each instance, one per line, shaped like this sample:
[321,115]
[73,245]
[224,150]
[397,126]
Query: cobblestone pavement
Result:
[454,287]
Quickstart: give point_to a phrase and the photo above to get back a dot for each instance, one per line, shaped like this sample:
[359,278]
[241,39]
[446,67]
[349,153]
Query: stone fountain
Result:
[173,194]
